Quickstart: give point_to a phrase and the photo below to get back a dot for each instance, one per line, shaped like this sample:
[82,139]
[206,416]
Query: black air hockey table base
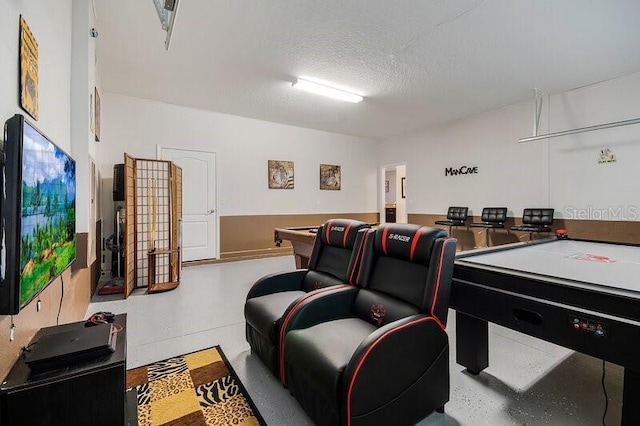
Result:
[583,295]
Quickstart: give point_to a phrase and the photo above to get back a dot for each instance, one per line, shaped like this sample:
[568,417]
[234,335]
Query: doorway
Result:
[393,206]
[199,230]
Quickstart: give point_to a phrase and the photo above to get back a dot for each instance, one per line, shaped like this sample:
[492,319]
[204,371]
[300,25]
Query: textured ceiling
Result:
[416,62]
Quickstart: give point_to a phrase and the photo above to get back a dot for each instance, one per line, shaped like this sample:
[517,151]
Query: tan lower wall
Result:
[468,238]
[77,295]
[242,236]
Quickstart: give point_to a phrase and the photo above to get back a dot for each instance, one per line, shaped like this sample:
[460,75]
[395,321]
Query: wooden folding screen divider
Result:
[129,225]
[157,207]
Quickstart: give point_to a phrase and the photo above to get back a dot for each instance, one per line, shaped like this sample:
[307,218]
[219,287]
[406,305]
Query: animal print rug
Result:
[199,388]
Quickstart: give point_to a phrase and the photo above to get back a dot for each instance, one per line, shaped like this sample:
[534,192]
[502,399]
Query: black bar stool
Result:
[456,216]
[492,218]
[535,220]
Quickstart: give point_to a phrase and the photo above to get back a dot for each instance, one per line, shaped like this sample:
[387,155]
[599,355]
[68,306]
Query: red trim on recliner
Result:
[384,239]
[356,263]
[346,233]
[369,349]
[364,247]
[286,320]
[327,231]
[416,237]
[435,292]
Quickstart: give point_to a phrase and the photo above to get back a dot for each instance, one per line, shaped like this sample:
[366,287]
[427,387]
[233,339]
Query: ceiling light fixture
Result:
[324,90]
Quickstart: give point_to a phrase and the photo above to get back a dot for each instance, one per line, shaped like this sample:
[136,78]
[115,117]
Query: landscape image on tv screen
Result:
[47,231]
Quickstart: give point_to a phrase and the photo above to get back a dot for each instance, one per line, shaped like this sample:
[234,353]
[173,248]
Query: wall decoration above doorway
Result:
[330,177]
[28,70]
[280,174]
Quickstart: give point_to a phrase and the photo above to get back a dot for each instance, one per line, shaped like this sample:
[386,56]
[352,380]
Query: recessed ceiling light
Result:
[324,90]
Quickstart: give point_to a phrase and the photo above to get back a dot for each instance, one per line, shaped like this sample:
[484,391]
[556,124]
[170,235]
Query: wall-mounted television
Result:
[38,214]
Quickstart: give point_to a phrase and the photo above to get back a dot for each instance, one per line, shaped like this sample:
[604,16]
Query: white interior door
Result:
[199,216]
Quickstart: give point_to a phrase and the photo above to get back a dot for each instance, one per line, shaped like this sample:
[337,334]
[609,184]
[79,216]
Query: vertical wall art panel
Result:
[96,98]
[28,70]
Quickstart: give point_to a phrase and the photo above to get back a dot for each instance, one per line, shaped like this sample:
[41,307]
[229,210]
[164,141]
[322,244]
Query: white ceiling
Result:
[416,62]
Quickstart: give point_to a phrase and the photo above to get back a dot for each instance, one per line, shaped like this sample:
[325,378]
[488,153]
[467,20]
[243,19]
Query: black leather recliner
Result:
[377,353]
[269,298]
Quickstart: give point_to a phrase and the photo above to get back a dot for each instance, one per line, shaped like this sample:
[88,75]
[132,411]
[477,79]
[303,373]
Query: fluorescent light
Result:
[321,89]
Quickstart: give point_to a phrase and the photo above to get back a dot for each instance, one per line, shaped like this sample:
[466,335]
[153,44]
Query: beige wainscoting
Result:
[468,238]
[251,236]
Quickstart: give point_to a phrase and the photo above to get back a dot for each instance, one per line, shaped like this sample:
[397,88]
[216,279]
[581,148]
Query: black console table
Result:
[90,392]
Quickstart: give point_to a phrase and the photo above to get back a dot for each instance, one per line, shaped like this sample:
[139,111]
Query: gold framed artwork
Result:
[330,177]
[280,174]
[28,70]
[96,98]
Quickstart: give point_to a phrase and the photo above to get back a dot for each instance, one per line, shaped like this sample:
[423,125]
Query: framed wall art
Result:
[28,70]
[404,187]
[280,174]
[330,177]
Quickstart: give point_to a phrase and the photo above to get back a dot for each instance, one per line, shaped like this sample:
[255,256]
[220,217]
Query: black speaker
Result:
[118,182]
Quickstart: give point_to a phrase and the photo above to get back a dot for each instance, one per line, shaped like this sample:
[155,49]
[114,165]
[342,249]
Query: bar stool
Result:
[492,218]
[535,220]
[456,216]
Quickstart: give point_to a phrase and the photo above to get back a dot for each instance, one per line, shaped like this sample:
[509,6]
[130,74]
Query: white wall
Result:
[401,203]
[558,172]
[580,187]
[50,23]
[390,176]
[83,78]
[243,146]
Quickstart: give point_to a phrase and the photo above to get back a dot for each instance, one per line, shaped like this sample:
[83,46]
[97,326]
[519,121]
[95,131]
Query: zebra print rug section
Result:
[195,389]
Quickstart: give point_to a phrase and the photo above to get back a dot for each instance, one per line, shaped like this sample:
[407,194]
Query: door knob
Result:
[211,211]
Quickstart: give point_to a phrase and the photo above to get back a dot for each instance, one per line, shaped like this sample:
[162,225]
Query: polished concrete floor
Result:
[529,381]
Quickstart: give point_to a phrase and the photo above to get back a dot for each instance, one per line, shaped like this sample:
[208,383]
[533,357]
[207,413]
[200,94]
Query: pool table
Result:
[580,294]
[301,238]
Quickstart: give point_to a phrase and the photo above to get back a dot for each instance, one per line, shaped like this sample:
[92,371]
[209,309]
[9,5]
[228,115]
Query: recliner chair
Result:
[269,298]
[376,353]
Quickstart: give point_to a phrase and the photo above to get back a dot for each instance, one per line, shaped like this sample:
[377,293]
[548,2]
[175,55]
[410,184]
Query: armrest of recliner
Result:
[390,360]
[318,306]
[278,282]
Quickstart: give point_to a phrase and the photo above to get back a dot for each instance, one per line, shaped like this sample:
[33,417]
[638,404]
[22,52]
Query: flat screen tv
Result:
[38,214]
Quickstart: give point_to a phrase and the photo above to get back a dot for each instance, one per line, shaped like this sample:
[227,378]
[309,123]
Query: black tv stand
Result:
[88,392]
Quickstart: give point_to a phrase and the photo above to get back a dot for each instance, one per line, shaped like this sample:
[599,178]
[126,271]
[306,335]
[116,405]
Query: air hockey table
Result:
[580,294]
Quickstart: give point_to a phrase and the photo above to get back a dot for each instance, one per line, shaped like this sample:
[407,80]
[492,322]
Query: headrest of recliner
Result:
[408,242]
[341,232]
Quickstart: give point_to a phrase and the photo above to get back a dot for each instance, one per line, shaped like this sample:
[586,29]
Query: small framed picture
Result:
[280,174]
[330,177]
[386,186]
[404,187]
